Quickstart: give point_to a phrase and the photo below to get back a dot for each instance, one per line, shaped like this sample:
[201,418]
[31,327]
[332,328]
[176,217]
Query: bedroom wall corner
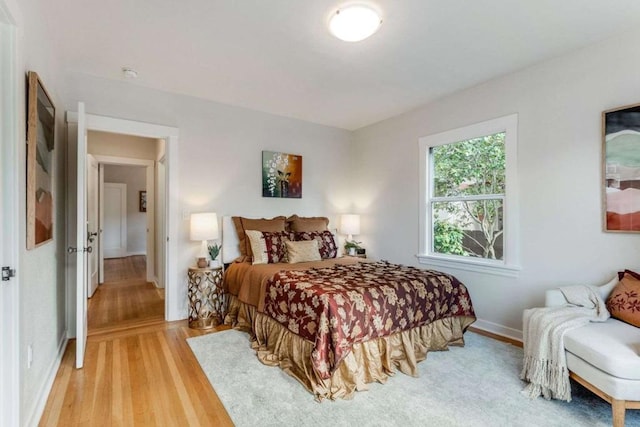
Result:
[559,103]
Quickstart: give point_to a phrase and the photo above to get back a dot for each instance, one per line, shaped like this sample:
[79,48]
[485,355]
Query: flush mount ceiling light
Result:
[129,73]
[354,23]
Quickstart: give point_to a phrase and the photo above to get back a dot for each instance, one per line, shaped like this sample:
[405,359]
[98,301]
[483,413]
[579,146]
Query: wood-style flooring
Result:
[139,370]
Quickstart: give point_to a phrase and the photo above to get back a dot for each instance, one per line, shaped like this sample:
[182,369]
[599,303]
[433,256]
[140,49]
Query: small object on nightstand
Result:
[206,297]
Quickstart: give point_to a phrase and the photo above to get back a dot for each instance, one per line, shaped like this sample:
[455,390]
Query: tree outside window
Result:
[467,197]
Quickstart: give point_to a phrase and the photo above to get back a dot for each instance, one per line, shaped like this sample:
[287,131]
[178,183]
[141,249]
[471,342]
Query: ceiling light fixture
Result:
[129,73]
[354,23]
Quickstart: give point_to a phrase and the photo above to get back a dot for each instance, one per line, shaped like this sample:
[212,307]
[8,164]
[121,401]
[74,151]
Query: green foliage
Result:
[214,250]
[447,238]
[348,244]
[471,168]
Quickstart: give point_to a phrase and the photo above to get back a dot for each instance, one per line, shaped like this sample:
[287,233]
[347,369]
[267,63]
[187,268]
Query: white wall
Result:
[559,163]
[220,155]
[41,271]
[135,177]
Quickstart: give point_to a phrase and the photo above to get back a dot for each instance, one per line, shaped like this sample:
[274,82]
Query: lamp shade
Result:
[350,224]
[204,226]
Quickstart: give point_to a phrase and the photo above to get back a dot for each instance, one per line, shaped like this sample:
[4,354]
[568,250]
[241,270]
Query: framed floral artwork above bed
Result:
[40,142]
[621,169]
[281,175]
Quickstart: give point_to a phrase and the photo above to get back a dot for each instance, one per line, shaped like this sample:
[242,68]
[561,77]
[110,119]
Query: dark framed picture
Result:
[621,169]
[281,175]
[143,201]
[41,123]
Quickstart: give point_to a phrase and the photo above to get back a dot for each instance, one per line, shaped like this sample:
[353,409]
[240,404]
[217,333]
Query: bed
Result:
[339,324]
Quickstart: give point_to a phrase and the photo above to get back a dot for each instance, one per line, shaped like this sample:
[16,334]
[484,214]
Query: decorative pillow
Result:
[258,246]
[326,243]
[302,251]
[268,247]
[632,273]
[311,223]
[624,301]
[262,224]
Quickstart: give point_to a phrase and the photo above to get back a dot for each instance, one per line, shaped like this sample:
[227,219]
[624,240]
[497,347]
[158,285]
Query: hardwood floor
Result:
[131,267]
[139,369]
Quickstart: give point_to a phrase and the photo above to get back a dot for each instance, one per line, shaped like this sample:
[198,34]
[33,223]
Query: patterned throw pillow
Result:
[276,247]
[268,247]
[624,301]
[302,251]
[326,243]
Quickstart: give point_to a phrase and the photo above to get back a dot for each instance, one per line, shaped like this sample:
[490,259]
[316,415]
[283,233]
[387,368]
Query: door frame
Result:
[151,191]
[123,221]
[9,243]
[92,162]
[175,308]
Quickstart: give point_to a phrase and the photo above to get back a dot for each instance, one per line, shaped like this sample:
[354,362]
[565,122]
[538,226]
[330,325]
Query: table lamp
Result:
[204,226]
[350,225]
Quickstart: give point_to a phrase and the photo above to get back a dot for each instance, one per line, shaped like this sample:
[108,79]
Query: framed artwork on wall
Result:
[143,201]
[281,175]
[41,115]
[621,169]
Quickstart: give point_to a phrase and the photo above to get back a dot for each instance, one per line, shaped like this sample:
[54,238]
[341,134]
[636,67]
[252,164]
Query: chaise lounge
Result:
[604,357]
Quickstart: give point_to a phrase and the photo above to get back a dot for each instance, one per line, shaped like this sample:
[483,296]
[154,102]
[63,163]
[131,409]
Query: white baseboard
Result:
[137,253]
[497,329]
[37,409]
[156,282]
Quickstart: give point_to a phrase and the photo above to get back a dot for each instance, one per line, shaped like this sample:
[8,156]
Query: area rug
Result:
[477,385]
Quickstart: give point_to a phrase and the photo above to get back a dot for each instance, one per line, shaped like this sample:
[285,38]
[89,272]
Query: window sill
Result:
[468,265]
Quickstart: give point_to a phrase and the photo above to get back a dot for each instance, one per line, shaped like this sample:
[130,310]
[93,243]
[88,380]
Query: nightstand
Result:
[206,297]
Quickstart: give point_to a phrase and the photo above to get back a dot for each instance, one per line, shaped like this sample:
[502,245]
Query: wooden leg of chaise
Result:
[618,408]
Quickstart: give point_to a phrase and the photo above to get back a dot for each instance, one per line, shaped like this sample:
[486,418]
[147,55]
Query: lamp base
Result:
[202,262]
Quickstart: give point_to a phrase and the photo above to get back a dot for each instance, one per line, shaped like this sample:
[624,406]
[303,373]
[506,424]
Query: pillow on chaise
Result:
[624,301]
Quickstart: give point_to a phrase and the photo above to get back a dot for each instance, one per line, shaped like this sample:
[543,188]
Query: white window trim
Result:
[510,265]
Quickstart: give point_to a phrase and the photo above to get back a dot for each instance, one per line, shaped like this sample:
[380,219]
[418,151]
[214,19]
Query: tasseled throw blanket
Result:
[545,363]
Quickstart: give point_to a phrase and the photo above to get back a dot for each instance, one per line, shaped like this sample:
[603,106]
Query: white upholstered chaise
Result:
[604,357]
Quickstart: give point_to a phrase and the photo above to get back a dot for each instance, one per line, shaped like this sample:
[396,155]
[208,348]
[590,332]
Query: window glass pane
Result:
[471,167]
[470,228]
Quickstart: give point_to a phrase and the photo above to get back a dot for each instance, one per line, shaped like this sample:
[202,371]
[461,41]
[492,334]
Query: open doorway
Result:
[126,280]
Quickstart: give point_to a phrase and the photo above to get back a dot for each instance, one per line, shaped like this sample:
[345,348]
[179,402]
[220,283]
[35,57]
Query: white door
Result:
[81,238]
[92,223]
[114,227]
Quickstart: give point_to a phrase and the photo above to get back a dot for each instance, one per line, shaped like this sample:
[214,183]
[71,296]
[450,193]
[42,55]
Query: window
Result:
[468,212]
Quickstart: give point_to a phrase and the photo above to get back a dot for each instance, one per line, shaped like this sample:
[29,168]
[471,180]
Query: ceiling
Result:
[277,56]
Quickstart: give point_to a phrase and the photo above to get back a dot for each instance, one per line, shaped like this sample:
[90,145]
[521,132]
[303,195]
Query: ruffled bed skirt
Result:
[374,360]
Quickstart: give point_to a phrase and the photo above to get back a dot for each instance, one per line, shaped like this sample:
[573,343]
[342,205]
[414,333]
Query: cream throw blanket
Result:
[545,363]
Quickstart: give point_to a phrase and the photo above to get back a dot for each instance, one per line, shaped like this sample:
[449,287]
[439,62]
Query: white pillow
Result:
[258,246]
[302,251]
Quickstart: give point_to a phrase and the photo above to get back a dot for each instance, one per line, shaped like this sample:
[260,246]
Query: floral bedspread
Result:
[338,306]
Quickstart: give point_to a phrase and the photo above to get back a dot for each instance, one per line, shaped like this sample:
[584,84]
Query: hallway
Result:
[139,369]
[126,298]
